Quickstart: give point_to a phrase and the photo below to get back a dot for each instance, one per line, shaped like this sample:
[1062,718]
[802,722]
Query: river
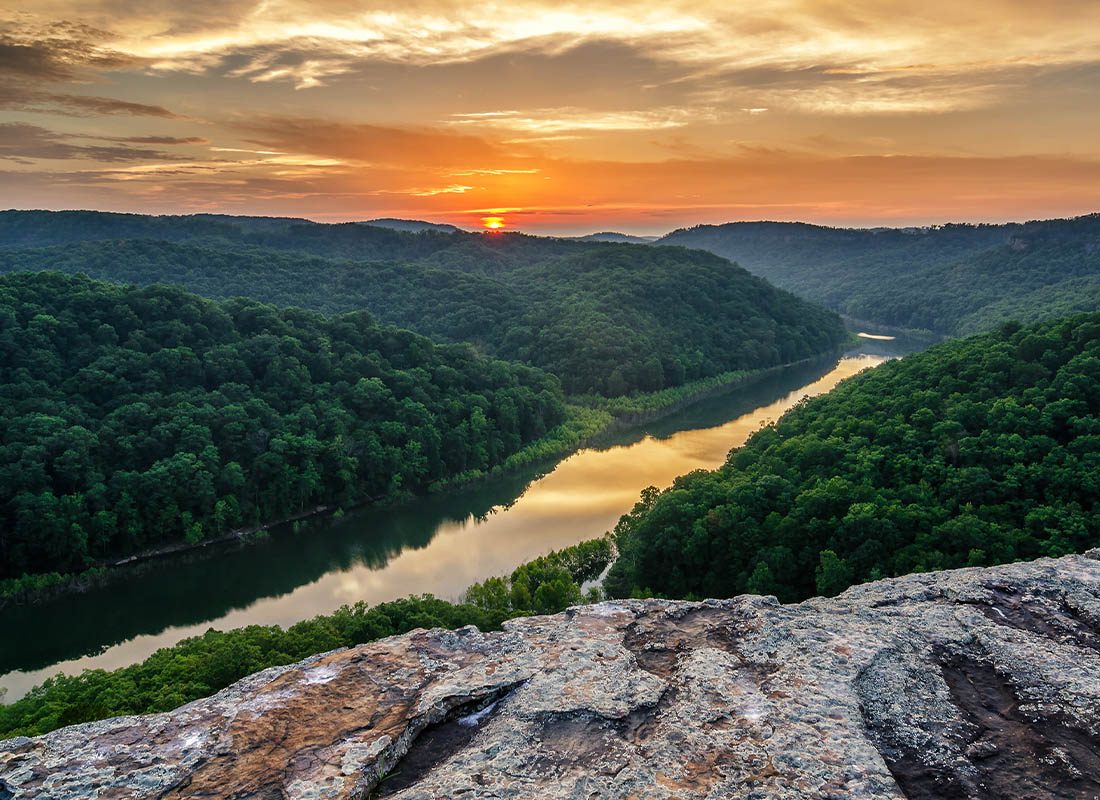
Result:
[439,545]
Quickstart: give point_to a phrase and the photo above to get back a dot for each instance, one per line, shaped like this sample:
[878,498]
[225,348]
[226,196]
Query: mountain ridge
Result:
[950,279]
[605,318]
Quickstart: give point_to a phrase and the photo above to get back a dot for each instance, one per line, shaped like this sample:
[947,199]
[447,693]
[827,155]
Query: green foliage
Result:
[609,319]
[202,665]
[833,574]
[978,451]
[660,400]
[950,279]
[546,584]
[27,588]
[579,425]
[133,418]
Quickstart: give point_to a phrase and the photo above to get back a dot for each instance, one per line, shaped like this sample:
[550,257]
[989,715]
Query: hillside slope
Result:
[605,318]
[949,279]
[976,451]
[133,417]
[979,683]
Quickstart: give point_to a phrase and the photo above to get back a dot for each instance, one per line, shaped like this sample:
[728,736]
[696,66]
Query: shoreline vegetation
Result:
[135,419]
[202,665]
[978,451]
[589,417]
[923,335]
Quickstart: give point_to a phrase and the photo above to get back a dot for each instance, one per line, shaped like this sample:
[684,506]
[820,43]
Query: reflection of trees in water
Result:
[724,407]
[207,584]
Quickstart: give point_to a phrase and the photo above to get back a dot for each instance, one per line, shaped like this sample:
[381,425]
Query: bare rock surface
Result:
[975,683]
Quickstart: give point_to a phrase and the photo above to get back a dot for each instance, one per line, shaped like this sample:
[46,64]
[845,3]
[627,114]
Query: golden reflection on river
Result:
[583,497]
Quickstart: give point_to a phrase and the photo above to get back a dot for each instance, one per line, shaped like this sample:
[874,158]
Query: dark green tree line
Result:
[952,279]
[609,319]
[979,451]
[136,417]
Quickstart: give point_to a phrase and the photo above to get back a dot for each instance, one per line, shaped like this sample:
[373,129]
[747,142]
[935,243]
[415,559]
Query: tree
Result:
[833,575]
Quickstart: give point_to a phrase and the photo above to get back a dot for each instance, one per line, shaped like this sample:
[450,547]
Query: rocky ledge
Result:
[977,683]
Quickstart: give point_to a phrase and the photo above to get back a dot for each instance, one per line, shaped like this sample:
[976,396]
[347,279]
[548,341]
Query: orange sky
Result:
[556,117]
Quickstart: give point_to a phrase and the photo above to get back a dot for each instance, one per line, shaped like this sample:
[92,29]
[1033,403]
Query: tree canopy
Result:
[978,451]
[133,417]
[952,279]
[610,319]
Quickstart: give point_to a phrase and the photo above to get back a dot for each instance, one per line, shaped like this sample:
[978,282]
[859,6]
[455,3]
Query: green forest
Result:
[978,451]
[167,381]
[134,417]
[202,665]
[951,279]
[607,319]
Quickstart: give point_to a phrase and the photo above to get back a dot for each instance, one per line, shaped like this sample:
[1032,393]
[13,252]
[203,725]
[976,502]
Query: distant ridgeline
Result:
[949,279]
[605,318]
[978,451]
[134,417]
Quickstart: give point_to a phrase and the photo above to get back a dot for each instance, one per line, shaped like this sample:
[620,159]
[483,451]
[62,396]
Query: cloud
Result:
[25,98]
[20,141]
[653,196]
[560,120]
[160,139]
[440,106]
[372,144]
[469,172]
[33,56]
[79,103]
[454,188]
[308,44]
[31,61]
[56,51]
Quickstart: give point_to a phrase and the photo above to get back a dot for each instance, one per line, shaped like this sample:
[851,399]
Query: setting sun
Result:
[493,223]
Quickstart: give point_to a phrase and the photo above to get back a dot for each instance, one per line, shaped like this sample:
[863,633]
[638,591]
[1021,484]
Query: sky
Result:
[556,117]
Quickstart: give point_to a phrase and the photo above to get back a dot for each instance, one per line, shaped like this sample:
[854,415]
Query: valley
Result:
[440,545]
[596,401]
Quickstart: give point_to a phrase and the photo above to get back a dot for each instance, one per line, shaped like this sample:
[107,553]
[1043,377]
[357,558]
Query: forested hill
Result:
[352,239]
[950,279]
[605,318]
[978,451]
[132,417]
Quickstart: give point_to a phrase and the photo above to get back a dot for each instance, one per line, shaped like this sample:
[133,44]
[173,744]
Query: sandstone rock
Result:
[977,683]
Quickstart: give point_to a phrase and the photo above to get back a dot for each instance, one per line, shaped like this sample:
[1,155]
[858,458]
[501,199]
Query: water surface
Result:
[439,545]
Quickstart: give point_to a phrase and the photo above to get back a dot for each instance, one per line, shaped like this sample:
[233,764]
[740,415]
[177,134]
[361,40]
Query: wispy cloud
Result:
[21,141]
[454,188]
[32,56]
[467,172]
[181,140]
[373,144]
[561,120]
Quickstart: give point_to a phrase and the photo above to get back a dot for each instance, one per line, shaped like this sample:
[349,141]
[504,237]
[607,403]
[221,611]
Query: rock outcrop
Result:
[973,683]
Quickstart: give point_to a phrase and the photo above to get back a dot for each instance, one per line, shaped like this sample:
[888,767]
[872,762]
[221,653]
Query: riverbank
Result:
[441,544]
[590,420]
[920,335]
[219,658]
[40,588]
